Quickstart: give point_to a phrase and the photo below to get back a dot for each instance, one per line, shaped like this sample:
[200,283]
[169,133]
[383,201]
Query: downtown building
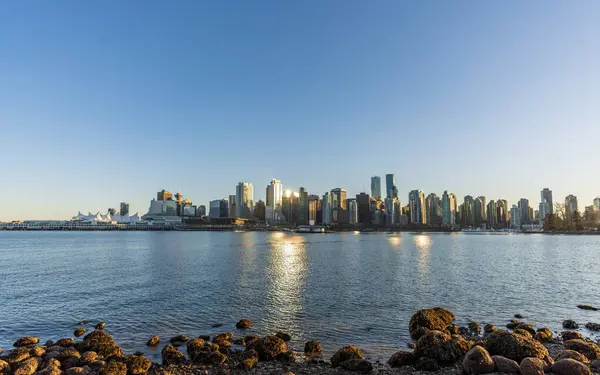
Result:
[376,187]
[448,209]
[244,200]
[416,202]
[274,202]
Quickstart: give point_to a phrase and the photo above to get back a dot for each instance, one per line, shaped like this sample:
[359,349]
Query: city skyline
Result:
[494,99]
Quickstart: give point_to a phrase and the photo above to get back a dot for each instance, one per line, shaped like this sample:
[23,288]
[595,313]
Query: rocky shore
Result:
[440,347]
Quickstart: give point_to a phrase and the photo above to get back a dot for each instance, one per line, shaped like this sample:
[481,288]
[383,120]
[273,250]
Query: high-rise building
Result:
[416,201]
[597,203]
[376,187]
[515,217]
[392,207]
[363,201]
[546,196]
[112,211]
[303,207]
[433,209]
[390,186]
[448,209]
[124,211]
[524,207]
[274,197]
[491,214]
[218,209]
[326,207]
[201,211]
[502,213]
[339,198]
[290,208]
[244,200]
[479,211]
[259,210]
[467,214]
[571,205]
[232,206]
[352,211]
[314,204]
[164,195]
[483,208]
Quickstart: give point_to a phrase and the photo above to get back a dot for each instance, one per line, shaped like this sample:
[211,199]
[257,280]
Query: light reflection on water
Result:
[339,288]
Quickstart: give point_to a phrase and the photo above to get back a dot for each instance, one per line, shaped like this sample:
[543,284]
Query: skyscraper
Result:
[515,217]
[314,205]
[303,207]
[244,200]
[363,200]
[491,215]
[416,201]
[339,198]
[390,186]
[231,206]
[274,197]
[571,205]
[433,209]
[467,214]
[524,207]
[448,208]
[502,212]
[376,187]
[352,211]
[112,211]
[164,195]
[124,211]
[326,206]
[597,203]
[546,206]
[479,211]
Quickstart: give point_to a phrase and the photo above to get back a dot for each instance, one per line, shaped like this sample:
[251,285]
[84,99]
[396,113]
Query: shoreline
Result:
[439,346]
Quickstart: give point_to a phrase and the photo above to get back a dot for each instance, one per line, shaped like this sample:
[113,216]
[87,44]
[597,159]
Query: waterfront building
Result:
[391,211]
[112,211]
[105,219]
[571,205]
[502,213]
[467,212]
[232,207]
[546,196]
[274,197]
[339,198]
[326,207]
[376,187]
[363,201]
[480,210]
[390,186]
[313,209]
[597,203]
[201,211]
[491,214]
[433,209]
[397,211]
[162,208]
[352,211]
[188,210]
[515,217]
[302,207]
[524,207]
[416,201]
[259,210]
[218,208]
[164,195]
[124,209]
[244,200]
[448,209]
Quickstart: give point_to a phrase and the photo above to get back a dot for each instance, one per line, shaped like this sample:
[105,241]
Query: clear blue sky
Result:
[105,101]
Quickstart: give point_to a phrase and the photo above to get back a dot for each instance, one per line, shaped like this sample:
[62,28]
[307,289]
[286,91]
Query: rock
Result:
[17,355]
[79,332]
[244,324]
[49,371]
[27,367]
[82,323]
[179,340]
[137,365]
[518,316]
[4,366]
[248,363]
[513,346]
[445,349]
[312,346]
[427,364]
[49,343]
[215,359]
[571,335]
[543,335]
[452,329]
[96,338]
[68,353]
[411,345]
[239,341]
[54,348]
[570,367]
[596,364]
[204,337]
[527,327]
[474,328]
[573,355]
[69,362]
[37,351]
[97,365]
[217,325]
[344,354]
[593,327]
[532,366]
[226,336]
[287,357]
[109,350]
[88,357]
[65,343]
[284,336]
[153,341]
[24,341]
[570,324]
[587,307]
[76,371]
[195,348]
[268,348]
[357,364]
[113,368]
[513,324]
[478,361]
[587,348]
[429,319]
[171,356]
[100,326]
[402,358]
[489,328]
[505,365]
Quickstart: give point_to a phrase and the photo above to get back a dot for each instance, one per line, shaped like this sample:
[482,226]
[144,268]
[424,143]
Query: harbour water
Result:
[338,288]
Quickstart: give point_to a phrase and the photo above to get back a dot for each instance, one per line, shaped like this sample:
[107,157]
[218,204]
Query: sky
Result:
[109,101]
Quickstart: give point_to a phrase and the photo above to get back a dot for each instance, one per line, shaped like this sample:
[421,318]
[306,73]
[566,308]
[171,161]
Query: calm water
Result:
[338,288]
